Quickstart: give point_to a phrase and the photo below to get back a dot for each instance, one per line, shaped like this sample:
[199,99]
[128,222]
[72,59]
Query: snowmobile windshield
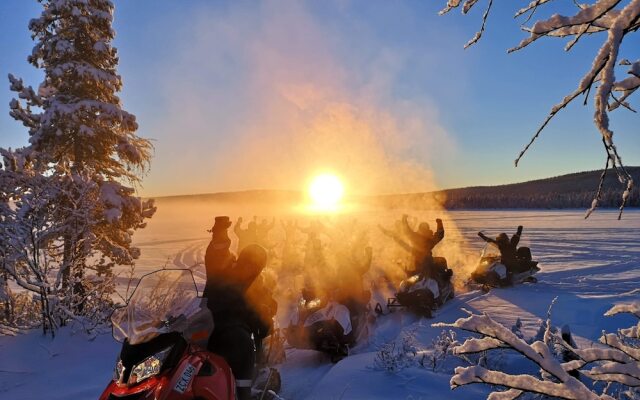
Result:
[490,250]
[161,303]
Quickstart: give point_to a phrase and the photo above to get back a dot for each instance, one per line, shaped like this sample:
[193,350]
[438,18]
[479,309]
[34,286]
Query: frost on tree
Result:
[82,148]
[35,210]
[615,361]
[613,20]
[77,127]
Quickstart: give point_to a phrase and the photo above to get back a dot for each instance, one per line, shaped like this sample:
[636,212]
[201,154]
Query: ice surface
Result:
[591,265]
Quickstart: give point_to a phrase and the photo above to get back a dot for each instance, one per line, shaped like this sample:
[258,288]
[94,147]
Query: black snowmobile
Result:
[490,271]
[421,294]
[326,326]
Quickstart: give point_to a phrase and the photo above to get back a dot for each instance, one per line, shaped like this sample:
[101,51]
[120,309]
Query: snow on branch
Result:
[616,360]
[615,18]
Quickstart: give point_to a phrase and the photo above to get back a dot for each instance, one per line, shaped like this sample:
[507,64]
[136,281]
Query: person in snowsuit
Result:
[260,298]
[246,236]
[235,316]
[508,249]
[262,233]
[318,278]
[351,269]
[421,244]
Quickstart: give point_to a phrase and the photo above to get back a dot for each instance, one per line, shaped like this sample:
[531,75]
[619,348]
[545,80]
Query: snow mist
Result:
[287,104]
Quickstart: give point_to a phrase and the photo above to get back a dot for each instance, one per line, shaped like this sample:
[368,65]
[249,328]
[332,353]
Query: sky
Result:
[242,95]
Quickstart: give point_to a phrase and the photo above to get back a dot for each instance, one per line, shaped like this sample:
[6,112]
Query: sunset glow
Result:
[326,191]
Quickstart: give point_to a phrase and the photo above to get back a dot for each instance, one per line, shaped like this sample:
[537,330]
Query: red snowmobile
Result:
[164,329]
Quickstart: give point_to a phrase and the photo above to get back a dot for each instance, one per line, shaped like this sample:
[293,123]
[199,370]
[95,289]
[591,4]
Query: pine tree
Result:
[81,129]
[80,137]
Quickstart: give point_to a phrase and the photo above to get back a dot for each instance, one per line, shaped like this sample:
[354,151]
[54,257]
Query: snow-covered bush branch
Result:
[38,212]
[615,20]
[617,360]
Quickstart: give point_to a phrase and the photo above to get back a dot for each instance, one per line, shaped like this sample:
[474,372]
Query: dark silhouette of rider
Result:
[421,244]
[508,248]
[246,236]
[229,298]
[262,232]
[354,263]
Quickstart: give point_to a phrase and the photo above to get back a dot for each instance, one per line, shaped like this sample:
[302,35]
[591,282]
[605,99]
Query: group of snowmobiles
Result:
[423,294]
[165,327]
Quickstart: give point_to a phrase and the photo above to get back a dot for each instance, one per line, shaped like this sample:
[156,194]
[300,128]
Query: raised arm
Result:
[237,227]
[387,232]
[414,237]
[515,239]
[485,238]
[439,235]
[218,258]
[406,229]
[403,244]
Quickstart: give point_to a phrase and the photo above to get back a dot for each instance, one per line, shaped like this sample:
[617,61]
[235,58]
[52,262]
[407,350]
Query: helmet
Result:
[424,229]
[502,238]
[251,261]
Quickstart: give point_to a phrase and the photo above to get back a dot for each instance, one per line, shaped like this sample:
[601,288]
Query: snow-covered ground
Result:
[589,265]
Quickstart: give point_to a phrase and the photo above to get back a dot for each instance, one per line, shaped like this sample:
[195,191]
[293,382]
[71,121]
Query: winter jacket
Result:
[422,245]
[508,248]
[226,289]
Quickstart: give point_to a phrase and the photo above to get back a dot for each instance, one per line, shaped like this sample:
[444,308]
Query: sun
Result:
[326,191]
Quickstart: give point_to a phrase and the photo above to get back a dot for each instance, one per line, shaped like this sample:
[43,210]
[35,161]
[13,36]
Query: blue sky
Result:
[242,95]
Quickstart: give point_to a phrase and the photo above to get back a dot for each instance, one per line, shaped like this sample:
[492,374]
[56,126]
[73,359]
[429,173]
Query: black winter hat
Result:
[221,223]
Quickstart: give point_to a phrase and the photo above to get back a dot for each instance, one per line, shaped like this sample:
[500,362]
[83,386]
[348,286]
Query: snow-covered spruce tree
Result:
[80,140]
[614,20]
[79,133]
[34,207]
[615,361]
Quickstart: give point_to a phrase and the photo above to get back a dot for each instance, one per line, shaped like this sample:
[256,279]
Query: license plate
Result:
[184,380]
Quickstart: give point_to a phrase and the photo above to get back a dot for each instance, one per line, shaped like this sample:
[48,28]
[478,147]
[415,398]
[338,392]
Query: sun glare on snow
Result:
[326,191]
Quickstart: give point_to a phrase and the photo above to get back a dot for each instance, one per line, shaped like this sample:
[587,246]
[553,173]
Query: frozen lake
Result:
[588,264]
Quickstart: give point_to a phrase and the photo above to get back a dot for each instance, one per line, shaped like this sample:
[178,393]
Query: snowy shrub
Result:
[441,347]
[394,356]
[516,329]
[25,311]
[613,20]
[616,362]
[406,353]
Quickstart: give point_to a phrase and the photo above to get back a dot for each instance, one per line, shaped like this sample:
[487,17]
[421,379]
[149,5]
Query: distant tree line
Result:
[566,191]
[610,198]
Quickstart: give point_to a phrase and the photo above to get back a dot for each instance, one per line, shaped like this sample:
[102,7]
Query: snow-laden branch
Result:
[522,383]
[615,18]
[616,360]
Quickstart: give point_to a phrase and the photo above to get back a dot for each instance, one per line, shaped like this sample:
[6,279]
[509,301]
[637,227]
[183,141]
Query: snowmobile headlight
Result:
[118,371]
[313,303]
[150,366]
[407,283]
